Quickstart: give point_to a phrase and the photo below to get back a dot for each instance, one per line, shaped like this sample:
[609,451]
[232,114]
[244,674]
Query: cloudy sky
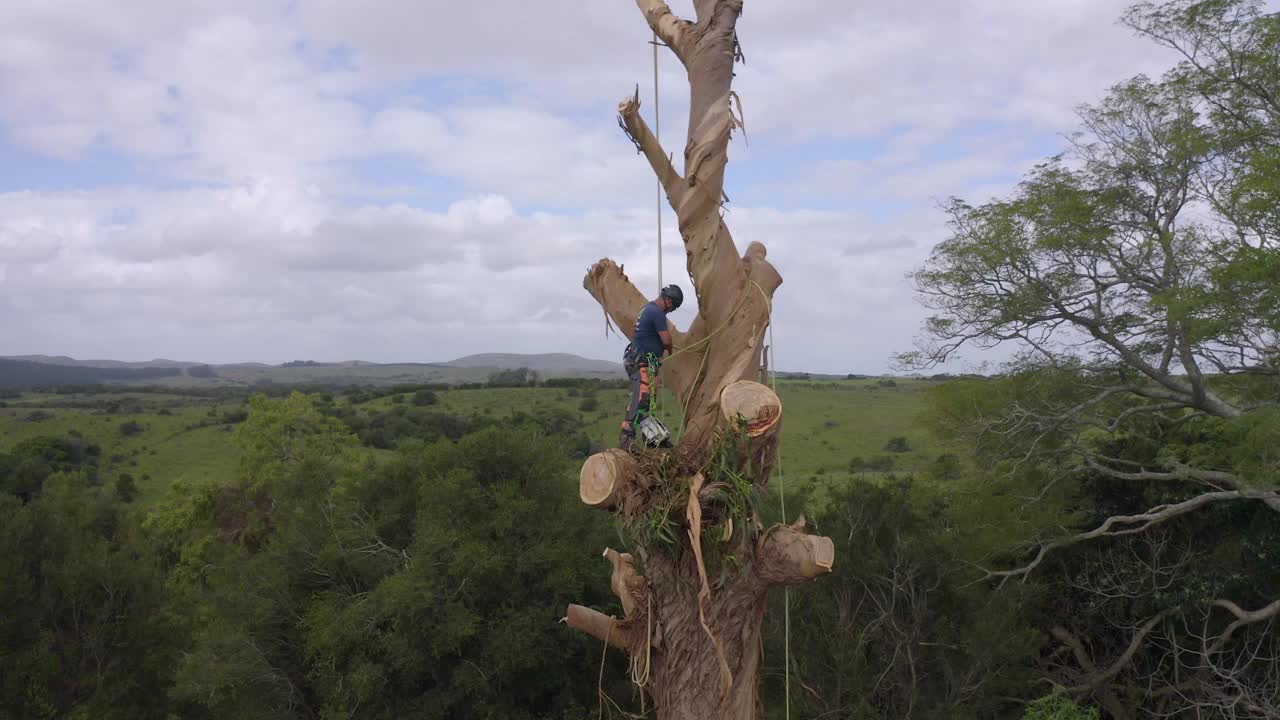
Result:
[413,181]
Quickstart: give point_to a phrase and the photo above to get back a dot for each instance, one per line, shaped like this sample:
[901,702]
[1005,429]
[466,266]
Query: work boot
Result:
[626,440]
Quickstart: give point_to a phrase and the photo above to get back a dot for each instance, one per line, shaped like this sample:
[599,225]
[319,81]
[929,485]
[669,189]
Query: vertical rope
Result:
[782,493]
[657,135]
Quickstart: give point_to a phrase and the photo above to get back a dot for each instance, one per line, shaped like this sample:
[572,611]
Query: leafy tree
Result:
[318,585]
[1136,280]
[896,632]
[82,597]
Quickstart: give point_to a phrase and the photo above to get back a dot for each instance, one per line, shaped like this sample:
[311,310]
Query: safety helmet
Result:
[674,294]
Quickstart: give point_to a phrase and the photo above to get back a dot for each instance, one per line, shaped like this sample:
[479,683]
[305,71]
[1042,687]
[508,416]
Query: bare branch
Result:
[1243,617]
[1097,680]
[622,301]
[596,624]
[1119,525]
[635,127]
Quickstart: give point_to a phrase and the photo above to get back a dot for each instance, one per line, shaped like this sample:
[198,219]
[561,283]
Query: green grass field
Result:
[165,449]
[825,426]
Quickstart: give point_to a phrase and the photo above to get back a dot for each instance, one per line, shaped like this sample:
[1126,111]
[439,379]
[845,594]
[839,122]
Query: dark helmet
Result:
[674,294]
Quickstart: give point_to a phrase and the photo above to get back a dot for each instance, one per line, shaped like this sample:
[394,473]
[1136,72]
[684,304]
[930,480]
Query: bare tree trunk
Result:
[696,650]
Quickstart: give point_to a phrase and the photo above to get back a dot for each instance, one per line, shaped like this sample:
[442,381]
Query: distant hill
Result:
[29,371]
[65,361]
[20,374]
[547,362]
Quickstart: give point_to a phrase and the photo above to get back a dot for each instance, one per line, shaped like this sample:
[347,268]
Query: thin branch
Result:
[1243,617]
[1096,680]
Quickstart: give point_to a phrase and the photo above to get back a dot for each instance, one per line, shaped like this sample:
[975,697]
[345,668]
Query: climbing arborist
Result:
[643,356]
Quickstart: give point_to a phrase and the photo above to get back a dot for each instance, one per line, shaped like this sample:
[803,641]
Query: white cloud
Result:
[277,227]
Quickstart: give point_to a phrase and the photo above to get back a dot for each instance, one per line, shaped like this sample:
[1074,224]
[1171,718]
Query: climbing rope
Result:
[782,495]
[657,135]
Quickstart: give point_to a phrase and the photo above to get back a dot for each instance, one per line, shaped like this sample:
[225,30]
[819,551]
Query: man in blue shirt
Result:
[643,356]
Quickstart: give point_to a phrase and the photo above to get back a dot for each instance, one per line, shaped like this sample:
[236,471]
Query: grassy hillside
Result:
[159,438]
[174,436]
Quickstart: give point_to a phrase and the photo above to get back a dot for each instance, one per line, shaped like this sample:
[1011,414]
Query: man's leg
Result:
[628,433]
[655,365]
[638,408]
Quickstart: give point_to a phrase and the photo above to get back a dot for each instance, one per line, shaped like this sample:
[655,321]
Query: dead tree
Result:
[693,588]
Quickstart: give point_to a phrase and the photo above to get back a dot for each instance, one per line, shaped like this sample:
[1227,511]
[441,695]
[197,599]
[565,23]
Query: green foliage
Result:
[1138,280]
[315,585]
[1059,707]
[126,488]
[880,463]
[518,377]
[894,626]
[897,445]
[84,633]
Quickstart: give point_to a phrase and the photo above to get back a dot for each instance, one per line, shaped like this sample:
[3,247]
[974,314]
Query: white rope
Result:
[657,135]
[782,494]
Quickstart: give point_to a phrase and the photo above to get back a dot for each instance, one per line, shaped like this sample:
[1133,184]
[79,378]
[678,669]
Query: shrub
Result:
[883,463]
[945,467]
[126,487]
[589,404]
[423,398]
[129,428]
[897,445]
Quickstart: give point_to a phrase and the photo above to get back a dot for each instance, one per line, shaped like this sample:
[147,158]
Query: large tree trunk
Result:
[694,638]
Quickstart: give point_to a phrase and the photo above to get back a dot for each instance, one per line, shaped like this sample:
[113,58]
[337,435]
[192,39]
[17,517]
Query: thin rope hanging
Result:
[657,135]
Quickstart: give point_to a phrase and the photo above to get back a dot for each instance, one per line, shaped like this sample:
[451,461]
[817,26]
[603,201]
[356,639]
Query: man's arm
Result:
[665,336]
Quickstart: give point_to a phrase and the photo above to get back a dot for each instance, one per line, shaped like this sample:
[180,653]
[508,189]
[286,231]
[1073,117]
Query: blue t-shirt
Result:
[648,323]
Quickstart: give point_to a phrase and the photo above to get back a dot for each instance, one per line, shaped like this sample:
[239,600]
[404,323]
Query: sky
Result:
[252,180]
